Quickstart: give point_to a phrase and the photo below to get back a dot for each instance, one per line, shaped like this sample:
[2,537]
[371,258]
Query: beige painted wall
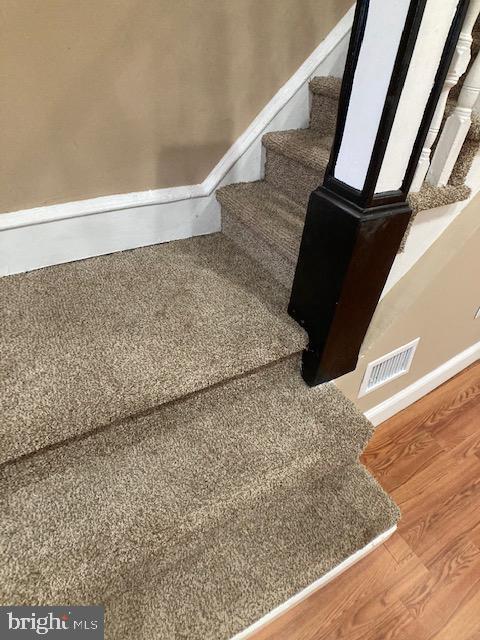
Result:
[112,96]
[436,300]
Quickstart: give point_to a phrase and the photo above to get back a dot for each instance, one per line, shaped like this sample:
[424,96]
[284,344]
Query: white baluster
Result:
[455,130]
[458,66]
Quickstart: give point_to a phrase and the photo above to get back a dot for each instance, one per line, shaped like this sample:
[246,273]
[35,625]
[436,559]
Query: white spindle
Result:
[458,67]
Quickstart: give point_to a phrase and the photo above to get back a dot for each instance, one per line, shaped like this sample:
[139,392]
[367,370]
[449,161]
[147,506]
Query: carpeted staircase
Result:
[265,218]
[161,454]
[159,451]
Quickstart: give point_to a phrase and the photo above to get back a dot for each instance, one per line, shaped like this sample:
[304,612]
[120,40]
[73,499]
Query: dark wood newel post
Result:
[352,232]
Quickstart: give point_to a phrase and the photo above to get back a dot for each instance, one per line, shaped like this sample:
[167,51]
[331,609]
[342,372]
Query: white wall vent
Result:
[388,367]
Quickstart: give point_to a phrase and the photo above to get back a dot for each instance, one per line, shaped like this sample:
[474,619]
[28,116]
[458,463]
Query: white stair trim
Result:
[423,385]
[44,236]
[318,584]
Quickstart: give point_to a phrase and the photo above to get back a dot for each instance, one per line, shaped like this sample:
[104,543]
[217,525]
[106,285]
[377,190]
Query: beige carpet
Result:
[97,545]
[173,466]
[197,519]
[92,342]
[296,161]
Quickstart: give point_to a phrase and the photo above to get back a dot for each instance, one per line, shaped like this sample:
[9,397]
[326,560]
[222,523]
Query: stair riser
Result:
[323,114]
[291,177]
[248,240]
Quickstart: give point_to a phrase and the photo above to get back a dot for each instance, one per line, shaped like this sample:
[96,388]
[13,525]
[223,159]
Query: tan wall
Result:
[112,96]
[436,300]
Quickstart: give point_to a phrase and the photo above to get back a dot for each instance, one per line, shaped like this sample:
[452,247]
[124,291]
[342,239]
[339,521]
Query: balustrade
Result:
[458,66]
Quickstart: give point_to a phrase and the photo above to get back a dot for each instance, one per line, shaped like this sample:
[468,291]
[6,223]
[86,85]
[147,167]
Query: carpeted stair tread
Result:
[296,161]
[90,343]
[326,86]
[430,197]
[304,146]
[139,527]
[160,453]
[217,440]
[276,219]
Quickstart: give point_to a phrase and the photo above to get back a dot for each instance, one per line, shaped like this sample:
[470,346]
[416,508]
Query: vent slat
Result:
[390,367]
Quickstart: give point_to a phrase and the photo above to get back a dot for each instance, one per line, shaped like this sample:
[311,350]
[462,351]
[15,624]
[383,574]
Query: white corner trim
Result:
[423,385]
[124,221]
[318,584]
[102,204]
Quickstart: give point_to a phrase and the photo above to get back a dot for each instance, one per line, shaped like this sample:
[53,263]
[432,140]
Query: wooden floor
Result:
[425,581]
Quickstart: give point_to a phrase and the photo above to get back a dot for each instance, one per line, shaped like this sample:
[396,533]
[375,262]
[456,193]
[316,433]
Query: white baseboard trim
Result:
[424,385]
[24,248]
[318,584]
[30,239]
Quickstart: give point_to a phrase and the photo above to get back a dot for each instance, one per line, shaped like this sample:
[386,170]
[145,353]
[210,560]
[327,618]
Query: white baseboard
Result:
[44,236]
[424,385]
[318,584]
[28,247]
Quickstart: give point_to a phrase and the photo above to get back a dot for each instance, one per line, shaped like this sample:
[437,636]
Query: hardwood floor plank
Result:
[436,402]
[465,624]
[440,510]
[325,606]
[397,459]
[468,448]
[453,573]
[459,462]
[399,549]
[377,578]
[464,530]
[453,424]
[374,621]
